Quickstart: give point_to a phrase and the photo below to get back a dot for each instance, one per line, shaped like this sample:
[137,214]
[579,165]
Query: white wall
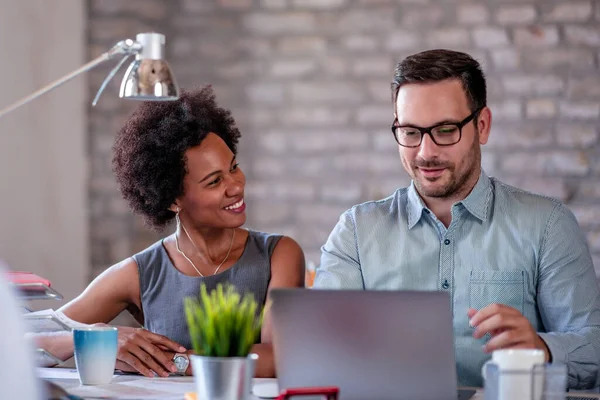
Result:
[43,160]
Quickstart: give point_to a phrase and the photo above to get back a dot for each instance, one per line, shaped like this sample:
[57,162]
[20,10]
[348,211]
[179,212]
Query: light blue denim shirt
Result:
[504,245]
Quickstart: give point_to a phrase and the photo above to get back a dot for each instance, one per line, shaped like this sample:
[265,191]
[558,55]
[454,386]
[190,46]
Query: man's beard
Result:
[456,182]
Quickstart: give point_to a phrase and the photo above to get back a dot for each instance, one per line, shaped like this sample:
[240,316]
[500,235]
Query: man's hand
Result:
[145,352]
[507,326]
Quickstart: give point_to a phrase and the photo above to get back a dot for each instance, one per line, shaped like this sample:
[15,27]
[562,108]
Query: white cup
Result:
[95,354]
[515,378]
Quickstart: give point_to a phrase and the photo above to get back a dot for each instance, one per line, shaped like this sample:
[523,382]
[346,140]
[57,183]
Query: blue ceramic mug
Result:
[95,354]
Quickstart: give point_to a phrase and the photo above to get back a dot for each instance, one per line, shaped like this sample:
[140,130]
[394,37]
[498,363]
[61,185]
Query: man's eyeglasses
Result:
[445,134]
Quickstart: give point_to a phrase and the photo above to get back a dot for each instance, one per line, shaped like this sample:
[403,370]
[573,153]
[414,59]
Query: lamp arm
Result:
[127,47]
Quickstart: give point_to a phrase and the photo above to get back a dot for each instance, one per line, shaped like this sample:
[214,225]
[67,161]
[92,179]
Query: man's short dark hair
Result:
[438,65]
[149,151]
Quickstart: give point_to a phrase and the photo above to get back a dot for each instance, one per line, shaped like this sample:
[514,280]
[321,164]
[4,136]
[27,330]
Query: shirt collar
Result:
[477,202]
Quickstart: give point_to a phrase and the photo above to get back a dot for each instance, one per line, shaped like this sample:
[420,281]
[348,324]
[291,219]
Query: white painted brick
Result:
[588,215]
[335,192]
[399,40]
[488,161]
[516,14]
[360,42]
[301,45]
[448,38]
[428,16]
[506,110]
[537,84]
[235,5]
[583,35]
[383,141]
[325,92]
[370,20]
[541,108]
[314,116]
[490,37]
[375,115]
[292,68]
[373,67]
[269,167]
[288,190]
[273,142]
[580,109]
[568,11]
[583,87]
[593,238]
[551,187]
[214,49]
[561,163]
[333,65]
[384,163]
[318,213]
[525,135]
[472,13]
[575,59]
[265,212]
[506,59]
[182,47]
[384,187]
[195,6]
[318,4]
[272,4]
[255,47]
[315,234]
[265,92]
[146,9]
[589,189]
[238,70]
[380,91]
[256,117]
[315,141]
[276,24]
[353,162]
[576,135]
[535,36]
[310,166]
[104,183]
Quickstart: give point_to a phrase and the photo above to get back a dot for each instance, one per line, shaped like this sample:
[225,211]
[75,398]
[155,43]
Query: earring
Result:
[177,218]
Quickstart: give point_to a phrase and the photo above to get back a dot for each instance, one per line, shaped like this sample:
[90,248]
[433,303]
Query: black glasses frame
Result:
[428,130]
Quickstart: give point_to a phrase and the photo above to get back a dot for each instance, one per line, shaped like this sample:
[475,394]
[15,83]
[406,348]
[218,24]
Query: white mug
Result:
[95,354]
[515,374]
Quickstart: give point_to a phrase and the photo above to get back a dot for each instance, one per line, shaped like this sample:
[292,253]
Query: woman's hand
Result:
[145,352]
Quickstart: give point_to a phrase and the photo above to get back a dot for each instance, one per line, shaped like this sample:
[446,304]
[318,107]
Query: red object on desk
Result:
[330,392]
[20,278]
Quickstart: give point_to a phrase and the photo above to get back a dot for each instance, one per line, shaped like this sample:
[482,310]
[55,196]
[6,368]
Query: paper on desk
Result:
[50,321]
[126,387]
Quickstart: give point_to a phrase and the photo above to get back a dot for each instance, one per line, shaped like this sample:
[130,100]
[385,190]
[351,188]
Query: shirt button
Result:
[447,241]
[445,285]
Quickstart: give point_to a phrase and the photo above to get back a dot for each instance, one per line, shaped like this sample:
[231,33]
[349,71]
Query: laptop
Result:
[376,345]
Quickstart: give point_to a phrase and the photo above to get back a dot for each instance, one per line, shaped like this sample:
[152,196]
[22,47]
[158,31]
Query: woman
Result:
[177,160]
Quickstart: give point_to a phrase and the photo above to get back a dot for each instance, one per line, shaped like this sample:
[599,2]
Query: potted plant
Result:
[223,326]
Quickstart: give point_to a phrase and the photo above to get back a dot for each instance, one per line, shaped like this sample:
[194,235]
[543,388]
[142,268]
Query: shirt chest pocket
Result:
[504,287]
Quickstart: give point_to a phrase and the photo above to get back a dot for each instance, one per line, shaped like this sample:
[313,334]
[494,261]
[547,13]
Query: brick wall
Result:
[308,82]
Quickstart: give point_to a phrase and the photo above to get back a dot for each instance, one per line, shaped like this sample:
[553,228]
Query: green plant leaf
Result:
[223,323]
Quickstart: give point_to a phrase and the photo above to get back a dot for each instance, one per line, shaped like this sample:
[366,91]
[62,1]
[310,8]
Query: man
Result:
[515,264]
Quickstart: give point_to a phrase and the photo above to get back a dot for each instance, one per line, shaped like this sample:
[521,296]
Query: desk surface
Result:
[129,386]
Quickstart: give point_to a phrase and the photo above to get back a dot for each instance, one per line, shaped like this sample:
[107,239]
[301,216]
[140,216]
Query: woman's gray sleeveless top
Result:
[163,287]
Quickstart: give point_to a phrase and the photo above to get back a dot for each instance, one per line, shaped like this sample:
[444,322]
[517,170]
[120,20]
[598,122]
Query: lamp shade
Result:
[149,80]
[149,76]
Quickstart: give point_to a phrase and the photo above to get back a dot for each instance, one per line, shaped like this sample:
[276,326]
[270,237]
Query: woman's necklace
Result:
[191,240]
